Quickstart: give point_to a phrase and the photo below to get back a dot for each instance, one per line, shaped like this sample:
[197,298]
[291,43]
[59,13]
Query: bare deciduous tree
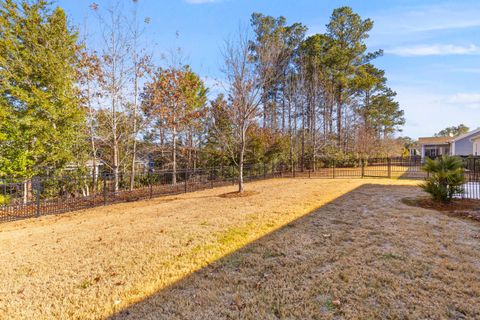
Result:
[90,78]
[140,66]
[244,93]
[115,54]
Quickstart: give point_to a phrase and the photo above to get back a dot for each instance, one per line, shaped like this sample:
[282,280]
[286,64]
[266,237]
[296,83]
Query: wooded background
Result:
[286,97]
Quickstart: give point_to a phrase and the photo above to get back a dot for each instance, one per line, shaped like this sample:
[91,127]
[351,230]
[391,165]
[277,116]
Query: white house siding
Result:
[476,147]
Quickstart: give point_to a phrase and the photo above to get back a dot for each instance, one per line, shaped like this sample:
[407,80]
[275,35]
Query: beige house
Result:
[433,147]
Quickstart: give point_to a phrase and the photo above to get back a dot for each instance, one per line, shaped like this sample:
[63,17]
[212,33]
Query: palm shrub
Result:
[446,177]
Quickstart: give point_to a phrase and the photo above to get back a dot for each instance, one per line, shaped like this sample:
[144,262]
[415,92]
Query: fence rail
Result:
[20,199]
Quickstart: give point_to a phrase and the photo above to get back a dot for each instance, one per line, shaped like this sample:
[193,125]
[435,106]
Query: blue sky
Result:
[432,48]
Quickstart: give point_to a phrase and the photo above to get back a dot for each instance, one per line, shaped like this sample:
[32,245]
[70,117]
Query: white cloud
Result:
[429,110]
[469,100]
[448,25]
[419,23]
[436,17]
[398,23]
[434,50]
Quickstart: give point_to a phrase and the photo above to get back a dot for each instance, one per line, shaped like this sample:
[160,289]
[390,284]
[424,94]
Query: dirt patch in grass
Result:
[463,208]
[296,249]
[237,194]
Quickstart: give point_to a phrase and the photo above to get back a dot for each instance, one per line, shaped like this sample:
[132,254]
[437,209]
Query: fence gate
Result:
[376,168]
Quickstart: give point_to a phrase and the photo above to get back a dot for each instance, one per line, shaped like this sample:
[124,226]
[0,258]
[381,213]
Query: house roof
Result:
[434,140]
[471,133]
[477,137]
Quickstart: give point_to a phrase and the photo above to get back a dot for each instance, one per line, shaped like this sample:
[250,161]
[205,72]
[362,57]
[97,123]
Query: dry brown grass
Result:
[283,252]
[237,194]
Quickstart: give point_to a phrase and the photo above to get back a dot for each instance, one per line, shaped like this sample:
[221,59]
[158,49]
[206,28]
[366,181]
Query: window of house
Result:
[431,152]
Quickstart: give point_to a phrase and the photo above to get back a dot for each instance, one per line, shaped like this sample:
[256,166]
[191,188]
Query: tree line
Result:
[67,106]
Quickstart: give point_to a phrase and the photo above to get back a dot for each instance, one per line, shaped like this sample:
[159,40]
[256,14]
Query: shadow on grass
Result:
[347,258]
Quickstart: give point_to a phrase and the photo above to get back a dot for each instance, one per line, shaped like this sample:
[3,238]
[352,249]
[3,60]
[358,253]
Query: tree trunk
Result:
[290,133]
[283,102]
[92,139]
[195,155]
[134,142]
[134,158]
[273,111]
[303,139]
[330,116]
[240,163]
[174,155]
[115,147]
[313,134]
[339,117]
[190,149]
[283,114]
[25,192]
[265,109]
[94,166]
[113,92]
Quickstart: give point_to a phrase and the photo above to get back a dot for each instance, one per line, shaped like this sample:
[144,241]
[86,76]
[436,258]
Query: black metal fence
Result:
[471,188]
[39,196]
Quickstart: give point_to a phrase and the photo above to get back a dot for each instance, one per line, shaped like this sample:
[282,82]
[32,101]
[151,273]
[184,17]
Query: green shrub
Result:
[4,199]
[446,177]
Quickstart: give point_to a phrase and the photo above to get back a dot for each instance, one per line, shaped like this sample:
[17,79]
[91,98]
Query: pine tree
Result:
[38,93]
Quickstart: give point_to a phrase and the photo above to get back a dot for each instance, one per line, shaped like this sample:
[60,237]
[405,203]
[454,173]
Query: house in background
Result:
[464,145]
[433,147]
[476,145]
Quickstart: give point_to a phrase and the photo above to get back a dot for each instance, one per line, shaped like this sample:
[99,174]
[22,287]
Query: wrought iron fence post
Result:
[185,182]
[211,178]
[333,169]
[105,189]
[362,161]
[38,196]
[150,183]
[389,163]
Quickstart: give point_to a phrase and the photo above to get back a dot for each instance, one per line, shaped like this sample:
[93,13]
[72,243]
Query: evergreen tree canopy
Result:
[41,118]
[453,131]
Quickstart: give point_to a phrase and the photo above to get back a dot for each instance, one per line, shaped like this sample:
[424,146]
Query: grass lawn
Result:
[293,249]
